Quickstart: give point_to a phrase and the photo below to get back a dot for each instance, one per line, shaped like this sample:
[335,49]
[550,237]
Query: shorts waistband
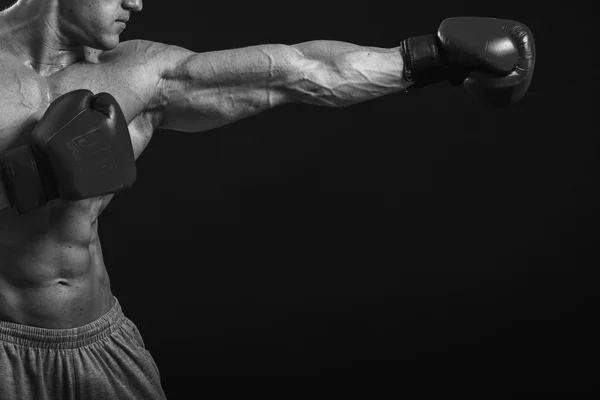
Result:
[31,336]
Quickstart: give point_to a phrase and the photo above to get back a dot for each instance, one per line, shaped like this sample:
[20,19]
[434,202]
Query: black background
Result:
[416,240]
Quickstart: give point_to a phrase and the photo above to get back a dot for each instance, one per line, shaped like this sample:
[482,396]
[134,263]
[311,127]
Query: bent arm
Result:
[202,91]
[4,203]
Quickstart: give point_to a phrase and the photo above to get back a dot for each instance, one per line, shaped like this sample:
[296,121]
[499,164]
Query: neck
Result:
[31,31]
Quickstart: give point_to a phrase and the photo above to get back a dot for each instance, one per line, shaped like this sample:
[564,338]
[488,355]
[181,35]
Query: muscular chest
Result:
[23,100]
[26,95]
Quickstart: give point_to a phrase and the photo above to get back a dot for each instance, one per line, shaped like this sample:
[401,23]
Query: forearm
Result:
[338,74]
[4,203]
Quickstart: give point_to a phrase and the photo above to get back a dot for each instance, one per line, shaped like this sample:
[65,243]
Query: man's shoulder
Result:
[139,53]
[131,72]
[138,67]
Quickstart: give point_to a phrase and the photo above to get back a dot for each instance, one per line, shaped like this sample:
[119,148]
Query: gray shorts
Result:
[105,359]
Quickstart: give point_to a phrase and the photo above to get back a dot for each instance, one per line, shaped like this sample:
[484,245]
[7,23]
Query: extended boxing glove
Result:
[80,149]
[492,58]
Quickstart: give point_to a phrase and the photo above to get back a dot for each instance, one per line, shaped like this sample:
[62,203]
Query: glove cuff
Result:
[426,64]
[20,172]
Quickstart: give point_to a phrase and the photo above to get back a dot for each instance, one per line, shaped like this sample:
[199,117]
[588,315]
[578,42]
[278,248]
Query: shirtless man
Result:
[62,332]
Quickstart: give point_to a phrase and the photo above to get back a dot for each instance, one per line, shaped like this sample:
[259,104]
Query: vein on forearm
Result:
[338,74]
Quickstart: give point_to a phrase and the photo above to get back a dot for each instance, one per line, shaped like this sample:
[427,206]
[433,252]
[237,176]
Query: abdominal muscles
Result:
[52,274]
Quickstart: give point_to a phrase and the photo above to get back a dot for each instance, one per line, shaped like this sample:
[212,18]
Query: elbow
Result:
[305,80]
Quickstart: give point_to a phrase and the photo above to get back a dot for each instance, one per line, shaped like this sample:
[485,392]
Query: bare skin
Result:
[52,274]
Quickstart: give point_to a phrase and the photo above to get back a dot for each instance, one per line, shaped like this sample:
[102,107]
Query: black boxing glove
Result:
[80,149]
[492,58]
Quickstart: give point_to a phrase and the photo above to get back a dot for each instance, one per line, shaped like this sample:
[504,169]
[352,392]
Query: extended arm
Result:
[198,92]
[493,59]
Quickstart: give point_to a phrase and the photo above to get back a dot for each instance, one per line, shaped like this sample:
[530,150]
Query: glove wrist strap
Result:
[424,63]
[19,173]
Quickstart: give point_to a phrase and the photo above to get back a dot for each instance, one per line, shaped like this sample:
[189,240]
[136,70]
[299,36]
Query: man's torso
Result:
[52,274]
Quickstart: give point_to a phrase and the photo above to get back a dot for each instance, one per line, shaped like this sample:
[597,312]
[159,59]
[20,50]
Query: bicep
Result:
[188,107]
[202,91]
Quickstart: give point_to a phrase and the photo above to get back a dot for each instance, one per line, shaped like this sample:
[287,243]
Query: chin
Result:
[106,43]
